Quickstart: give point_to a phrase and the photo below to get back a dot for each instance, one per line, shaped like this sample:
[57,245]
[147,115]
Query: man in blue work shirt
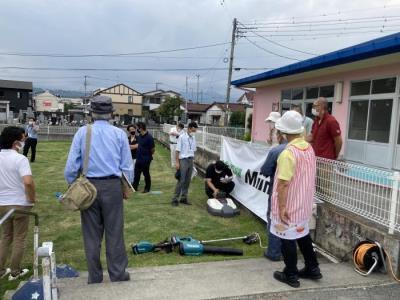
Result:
[144,156]
[109,157]
[185,149]
[31,131]
[268,169]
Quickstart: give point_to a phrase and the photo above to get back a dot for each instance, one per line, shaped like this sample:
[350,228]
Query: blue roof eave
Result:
[377,47]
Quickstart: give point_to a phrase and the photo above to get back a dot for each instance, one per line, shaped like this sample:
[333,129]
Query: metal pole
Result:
[35,253]
[197,91]
[393,202]
[228,87]
[46,266]
[186,102]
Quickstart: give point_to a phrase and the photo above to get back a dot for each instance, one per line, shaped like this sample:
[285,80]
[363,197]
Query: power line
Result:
[268,51]
[329,33]
[313,24]
[280,45]
[292,38]
[327,29]
[109,55]
[344,12]
[123,70]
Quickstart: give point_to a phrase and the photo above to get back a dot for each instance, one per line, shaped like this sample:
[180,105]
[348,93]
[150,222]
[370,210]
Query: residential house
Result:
[361,84]
[127,102]
[217,112]
[15,100]
[153,99]
[196,112]
[247,98]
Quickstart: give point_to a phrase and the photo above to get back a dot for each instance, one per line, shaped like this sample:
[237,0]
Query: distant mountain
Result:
[61,93]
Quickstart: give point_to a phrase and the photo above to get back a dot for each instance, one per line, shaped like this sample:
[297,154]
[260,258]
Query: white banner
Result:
[245,161]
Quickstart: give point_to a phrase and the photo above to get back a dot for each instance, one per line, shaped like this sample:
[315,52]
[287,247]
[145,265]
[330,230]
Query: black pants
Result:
[30,143]
[227,188]
[142,167]
[289,252]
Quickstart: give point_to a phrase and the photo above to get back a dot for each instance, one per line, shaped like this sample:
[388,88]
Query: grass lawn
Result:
[147,216]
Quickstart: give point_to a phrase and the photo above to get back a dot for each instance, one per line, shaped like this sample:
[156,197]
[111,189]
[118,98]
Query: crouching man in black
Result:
[218,179]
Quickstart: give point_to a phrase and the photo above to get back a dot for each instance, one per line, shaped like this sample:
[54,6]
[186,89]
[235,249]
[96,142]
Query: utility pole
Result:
[197,91]
[201,96]
[186,100]
[157,84]
[228,87]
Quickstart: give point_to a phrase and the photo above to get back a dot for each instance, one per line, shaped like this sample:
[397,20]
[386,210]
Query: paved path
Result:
[239,279]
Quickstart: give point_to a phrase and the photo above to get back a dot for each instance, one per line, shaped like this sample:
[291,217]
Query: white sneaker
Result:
[8,271]
[22,273]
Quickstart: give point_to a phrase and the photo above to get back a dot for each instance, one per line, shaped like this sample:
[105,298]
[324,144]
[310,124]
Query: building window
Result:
[130,112]
[398,137]
[297,94]
[311,93]
[286,94]
[379,86]
[155,100]
[130,99]
[358,120]
[384,86]
[378,127]
[360,88]
[366,121]
[327,91]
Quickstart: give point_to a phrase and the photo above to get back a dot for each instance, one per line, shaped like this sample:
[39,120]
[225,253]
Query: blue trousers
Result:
[274,243]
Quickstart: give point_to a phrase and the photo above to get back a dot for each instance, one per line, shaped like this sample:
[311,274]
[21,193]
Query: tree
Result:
[68,106]
[249,122]
[170,108]
[237,119]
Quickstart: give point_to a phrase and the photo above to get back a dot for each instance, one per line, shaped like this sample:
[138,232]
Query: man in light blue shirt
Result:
[110,154]
[185,149]
[109,157]
[31,131]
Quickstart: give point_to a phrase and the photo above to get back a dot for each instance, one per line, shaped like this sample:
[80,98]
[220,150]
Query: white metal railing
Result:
[57,132]
[369,192]
[233,132]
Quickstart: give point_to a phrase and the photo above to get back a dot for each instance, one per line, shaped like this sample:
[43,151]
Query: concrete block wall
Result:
[338,231]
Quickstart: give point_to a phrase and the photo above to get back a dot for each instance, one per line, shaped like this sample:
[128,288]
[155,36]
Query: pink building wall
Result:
[266,96]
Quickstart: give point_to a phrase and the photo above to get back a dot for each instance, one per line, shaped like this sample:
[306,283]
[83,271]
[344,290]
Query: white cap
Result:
[273,117]
[290,123]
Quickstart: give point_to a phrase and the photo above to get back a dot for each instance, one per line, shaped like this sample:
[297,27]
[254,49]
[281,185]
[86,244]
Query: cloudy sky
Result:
[112,27]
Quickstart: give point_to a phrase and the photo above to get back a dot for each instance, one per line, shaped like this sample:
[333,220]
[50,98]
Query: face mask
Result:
[21,146]
[30,123]
[315,112]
